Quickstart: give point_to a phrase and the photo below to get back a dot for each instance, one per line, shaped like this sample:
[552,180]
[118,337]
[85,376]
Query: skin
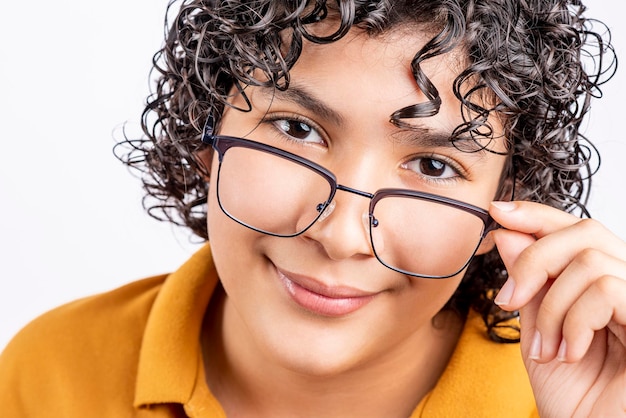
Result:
[567,275]
[383,358]
[567,278]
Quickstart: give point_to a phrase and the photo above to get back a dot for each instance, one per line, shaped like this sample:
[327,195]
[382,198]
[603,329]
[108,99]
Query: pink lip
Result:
[321,299]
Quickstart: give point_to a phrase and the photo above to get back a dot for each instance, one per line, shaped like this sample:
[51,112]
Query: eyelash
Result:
[460,172]
[272,120]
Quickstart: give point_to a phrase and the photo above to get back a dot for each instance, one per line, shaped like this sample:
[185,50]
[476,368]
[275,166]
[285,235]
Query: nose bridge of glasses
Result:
[355,191]
[347,231]
[328,210]
[331,206]
[350,190]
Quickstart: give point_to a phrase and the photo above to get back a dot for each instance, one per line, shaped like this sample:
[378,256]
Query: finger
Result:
[530,217]
[603,303]
[530,339]
[549,256]
[510,245]
[564,292]
[530,264]
[540,220]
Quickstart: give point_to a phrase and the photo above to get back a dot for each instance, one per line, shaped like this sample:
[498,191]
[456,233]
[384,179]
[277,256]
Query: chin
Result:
[320,347]
[322,362]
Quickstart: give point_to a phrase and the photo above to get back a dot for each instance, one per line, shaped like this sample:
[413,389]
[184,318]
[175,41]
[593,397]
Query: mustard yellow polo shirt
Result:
[135,352]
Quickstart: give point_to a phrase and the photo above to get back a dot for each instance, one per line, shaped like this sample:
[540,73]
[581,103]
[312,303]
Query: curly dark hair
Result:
[535,63]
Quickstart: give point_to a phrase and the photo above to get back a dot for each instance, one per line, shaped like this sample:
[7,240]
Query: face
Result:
[321,303]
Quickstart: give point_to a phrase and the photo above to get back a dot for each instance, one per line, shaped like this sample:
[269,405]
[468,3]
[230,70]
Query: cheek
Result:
[216,219]
[235,248]
[486,245]
[223,236]
[442,290]
[213,209]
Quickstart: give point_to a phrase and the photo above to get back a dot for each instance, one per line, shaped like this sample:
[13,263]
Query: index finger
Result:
[532,218]
[540,242]
[539,221]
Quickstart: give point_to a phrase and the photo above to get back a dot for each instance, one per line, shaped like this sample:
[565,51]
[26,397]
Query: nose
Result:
[343,229]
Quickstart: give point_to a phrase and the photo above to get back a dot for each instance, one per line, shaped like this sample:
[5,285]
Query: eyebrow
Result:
[423,137]
[419,136]
[301,97]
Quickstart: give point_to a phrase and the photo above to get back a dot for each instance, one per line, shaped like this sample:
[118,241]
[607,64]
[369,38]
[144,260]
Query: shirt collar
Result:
[170,356]
[486,376]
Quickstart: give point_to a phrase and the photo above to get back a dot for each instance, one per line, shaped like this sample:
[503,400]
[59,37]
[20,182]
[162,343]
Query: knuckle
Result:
[549,310]
[591,227]
[608,285]
[548,313]
[589,259]
[531,255]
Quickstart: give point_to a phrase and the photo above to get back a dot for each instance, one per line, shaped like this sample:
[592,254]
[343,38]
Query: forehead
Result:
[359,59]
[365,77]
[361,81]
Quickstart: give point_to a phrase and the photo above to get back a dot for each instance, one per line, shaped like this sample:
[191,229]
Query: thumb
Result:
[510,245]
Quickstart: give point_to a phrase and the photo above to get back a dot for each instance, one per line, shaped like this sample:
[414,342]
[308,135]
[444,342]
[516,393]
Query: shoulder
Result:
[77,346]
[91,319]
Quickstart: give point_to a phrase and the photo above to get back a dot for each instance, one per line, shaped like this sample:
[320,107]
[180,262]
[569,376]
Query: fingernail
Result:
[506,293]
[505,206]
[535,347]
[562,354]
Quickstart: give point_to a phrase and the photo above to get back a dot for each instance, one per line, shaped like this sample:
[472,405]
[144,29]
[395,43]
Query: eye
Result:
[299,131]
[432,168]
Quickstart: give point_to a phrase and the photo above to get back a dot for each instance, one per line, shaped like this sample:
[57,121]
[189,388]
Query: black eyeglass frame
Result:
[222,143]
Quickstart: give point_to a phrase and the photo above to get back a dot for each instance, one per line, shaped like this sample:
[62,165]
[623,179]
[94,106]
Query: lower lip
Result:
[320,304]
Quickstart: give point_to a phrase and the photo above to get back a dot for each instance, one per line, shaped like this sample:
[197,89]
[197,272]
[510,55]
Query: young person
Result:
[384,186]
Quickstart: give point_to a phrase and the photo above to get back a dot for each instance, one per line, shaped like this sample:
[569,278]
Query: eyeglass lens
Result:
[269,193]
[424,237]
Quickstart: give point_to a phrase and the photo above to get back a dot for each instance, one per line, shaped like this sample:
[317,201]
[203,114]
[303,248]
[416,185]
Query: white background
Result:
[71,221]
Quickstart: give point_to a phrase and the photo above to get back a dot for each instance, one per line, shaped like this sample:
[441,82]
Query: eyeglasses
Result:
[278,193]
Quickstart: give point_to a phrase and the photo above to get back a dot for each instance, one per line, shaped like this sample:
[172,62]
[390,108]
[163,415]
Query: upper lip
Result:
[326,290]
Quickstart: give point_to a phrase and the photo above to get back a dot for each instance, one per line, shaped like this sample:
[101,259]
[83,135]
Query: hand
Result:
[567,277]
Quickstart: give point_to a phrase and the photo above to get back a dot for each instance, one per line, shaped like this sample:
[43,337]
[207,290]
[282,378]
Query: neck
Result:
[246,384]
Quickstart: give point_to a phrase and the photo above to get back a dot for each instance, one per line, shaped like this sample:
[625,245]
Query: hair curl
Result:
[536,63]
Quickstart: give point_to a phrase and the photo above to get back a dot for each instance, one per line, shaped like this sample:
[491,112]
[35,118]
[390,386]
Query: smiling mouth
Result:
[321,300]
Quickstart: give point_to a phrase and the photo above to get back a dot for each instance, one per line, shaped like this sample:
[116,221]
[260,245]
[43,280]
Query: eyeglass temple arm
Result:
[492,226]
[207,131]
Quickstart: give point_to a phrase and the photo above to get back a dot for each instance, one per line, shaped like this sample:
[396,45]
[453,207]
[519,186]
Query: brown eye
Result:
[432,168]
[298,130]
